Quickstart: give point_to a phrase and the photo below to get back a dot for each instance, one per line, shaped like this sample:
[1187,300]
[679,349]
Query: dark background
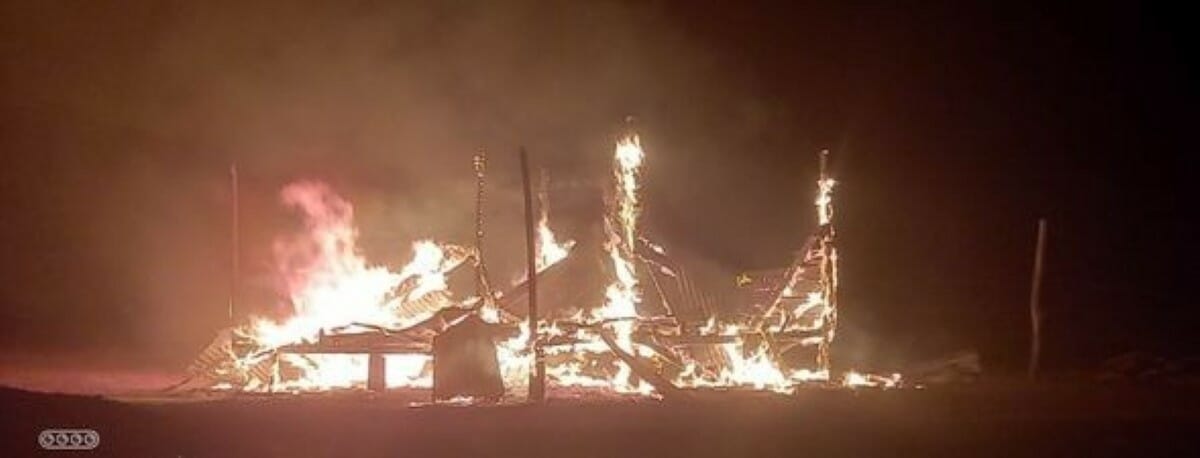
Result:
[953,127]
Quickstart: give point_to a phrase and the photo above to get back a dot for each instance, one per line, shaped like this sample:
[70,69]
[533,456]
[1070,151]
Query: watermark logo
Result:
[69,439]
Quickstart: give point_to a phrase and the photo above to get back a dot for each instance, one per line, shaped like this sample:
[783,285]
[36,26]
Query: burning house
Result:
[621,316]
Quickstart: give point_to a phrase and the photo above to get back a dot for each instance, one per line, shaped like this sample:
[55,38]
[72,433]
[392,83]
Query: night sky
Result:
[953,129]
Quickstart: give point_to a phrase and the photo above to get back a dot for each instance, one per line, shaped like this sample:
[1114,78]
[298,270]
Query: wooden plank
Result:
[663,386]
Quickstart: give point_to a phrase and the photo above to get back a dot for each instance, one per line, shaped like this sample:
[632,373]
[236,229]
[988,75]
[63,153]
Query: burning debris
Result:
[622,318]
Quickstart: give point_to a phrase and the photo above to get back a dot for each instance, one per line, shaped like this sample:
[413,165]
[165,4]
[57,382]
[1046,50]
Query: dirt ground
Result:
[981,419]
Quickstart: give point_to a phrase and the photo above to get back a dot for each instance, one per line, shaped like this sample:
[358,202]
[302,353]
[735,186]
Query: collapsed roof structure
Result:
[622,316]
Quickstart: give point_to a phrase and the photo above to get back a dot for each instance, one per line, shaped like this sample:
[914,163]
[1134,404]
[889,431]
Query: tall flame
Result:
[325,278]
[550,250]
[619,310]
[329,284]
[621,296]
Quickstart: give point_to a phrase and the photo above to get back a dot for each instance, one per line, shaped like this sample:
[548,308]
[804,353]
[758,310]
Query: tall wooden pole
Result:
[537,374]
[481,285]
[235,250]
[1035,292]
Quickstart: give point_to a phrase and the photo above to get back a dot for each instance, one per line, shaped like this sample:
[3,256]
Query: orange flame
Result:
[330,285]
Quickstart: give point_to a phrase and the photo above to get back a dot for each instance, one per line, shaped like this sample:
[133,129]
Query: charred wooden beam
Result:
[537,376]
[359,349]
[663,386]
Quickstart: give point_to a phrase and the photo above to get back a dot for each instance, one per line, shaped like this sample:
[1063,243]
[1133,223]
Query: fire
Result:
[744,364]
[854,379]
[621,296]
[618,313]
[829,263]
[322,272]
[429,266]
[330,285]
[756,369]
[549,251]
[627,171]
[748,367]
[514,353]
[515,359]
[330,288]
[824,200]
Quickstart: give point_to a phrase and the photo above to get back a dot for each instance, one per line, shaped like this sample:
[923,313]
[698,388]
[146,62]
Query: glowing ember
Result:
[857,380]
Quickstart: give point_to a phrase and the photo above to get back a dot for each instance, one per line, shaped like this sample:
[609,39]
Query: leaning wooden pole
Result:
[1035,292]
[537,374]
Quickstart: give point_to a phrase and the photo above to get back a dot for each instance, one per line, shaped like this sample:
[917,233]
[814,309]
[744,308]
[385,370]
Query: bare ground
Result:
[981,419]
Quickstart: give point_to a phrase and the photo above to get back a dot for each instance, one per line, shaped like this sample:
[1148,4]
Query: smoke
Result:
[130,116]
[121,119]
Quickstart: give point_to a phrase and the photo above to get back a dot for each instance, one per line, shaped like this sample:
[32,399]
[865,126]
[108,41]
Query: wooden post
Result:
[537,373]
[376,372]
[1035,311]
[481,285]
